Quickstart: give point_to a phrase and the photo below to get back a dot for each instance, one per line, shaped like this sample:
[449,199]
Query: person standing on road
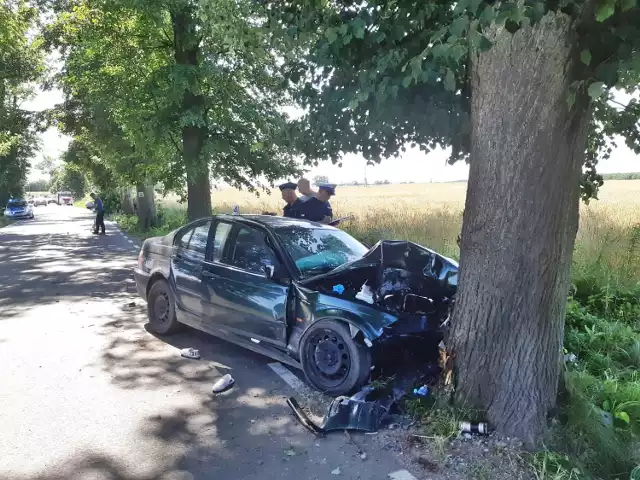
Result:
[99,208]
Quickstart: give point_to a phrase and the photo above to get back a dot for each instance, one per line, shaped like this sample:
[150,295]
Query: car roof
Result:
[15,200]
[275,222]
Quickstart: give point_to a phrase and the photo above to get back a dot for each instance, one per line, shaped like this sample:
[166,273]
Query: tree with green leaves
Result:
[192,87]
[522,90]
[69,178]
[21,62]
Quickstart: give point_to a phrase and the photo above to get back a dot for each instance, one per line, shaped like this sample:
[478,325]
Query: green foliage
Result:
[376,76]
[621,176]
[69,178]
[168,220]
[142,76]
[38,186]
[602,413]
[20,63]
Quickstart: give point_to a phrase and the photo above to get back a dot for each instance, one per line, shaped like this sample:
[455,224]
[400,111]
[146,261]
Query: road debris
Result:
[423,391]
[336,471]
[223,384]
[479,428]
[191,353]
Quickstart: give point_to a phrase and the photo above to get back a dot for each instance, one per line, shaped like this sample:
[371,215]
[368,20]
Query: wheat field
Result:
[431,214]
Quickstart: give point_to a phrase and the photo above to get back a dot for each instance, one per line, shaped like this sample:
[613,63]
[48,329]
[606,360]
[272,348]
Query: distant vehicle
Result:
[306,294]
[65,198]
[39,201]
[18,208]
[51,200]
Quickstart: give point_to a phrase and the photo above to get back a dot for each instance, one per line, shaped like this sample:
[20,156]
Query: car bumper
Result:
[19,215]
[142,280]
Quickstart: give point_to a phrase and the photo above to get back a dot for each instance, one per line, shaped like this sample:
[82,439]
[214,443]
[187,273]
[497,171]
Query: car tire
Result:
[161,308]
[333,362]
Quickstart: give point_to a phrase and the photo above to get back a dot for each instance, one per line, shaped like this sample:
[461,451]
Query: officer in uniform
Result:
[318,208]
[292,207]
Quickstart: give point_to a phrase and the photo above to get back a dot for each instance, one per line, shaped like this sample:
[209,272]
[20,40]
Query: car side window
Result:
[251,251]
[220,239]
[182,239]
[198,241]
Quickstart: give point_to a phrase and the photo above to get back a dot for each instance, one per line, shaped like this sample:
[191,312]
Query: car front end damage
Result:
[398,297]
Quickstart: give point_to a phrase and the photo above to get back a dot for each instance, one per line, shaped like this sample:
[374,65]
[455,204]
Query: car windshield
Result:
[319,250]
[16,203]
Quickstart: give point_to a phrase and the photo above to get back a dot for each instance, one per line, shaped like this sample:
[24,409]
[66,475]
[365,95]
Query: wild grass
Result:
[598,431]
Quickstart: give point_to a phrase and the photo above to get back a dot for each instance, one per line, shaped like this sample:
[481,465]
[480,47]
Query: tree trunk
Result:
[520,223]
[126,201]
[194,134]
[146,205]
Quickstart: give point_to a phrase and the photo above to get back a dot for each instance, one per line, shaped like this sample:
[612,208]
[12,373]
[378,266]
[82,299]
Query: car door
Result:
[240,299]
[190,246]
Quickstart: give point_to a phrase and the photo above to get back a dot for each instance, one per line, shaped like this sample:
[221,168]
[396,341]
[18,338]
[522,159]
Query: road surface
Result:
[87,392]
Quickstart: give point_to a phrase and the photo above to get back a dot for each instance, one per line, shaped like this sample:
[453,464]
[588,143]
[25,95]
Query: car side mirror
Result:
[269,271]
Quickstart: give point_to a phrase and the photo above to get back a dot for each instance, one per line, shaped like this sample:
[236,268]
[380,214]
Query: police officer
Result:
[318,208]
[292,207]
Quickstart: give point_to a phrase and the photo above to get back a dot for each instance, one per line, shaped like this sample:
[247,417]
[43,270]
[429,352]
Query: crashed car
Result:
[306,294]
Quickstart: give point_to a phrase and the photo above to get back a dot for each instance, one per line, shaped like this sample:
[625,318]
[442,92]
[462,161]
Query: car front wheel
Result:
[161,308]
[333,361]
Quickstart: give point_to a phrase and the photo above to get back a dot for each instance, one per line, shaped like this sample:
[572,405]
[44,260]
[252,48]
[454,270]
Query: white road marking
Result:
[289,378]
[401,475]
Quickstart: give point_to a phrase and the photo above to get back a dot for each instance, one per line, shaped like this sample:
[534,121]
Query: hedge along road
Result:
[87,392]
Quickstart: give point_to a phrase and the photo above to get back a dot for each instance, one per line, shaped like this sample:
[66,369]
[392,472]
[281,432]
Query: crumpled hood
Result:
[394,278]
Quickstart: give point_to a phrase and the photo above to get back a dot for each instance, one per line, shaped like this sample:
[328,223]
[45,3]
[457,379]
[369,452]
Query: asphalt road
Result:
[86,392]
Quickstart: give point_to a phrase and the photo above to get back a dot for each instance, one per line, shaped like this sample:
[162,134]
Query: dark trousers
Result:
[99,222]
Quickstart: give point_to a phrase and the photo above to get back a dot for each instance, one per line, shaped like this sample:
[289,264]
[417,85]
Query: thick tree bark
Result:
[520,223]
[186,43]
[146,205]
[126,201]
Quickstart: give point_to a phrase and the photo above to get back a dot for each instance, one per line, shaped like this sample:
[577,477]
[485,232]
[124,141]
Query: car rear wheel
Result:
[161,308]
[333,361]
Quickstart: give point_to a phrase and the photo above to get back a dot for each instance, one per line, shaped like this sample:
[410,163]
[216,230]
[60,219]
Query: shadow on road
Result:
[47,268]
[173,427]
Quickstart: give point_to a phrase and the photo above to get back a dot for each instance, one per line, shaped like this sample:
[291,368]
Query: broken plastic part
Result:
[339,289]
[344,414]
[365,294]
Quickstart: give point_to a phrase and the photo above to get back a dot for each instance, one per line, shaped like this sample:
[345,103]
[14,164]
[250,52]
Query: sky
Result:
[413,165]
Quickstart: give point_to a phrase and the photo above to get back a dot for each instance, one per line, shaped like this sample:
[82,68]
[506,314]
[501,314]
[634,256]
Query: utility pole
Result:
[365,175]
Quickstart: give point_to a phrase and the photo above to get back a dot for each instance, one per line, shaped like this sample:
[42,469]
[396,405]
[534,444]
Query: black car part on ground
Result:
[367,410]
